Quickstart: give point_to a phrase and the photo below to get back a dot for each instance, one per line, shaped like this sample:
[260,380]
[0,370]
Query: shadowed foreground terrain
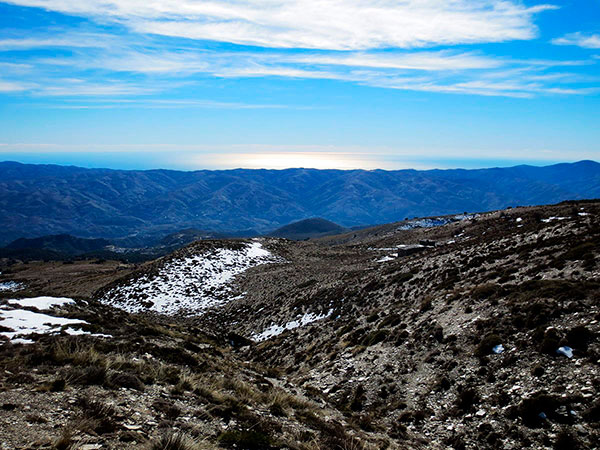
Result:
[471,331]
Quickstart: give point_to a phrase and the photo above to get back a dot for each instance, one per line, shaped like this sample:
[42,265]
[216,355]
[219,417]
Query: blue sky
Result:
[267,83]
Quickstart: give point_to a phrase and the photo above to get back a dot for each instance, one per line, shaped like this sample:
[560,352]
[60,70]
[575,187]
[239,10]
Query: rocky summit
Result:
[470,331]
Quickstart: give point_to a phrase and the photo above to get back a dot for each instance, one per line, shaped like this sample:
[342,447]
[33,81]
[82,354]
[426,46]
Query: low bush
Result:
[375,337]
[126,380]
[466,399]
[97,417]
[250,440]
[486,345]
[169,409]
[530,409]
[565,440]
[173,441]
[579,337]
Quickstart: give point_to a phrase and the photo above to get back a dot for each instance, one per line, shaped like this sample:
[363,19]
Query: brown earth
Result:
[403,359]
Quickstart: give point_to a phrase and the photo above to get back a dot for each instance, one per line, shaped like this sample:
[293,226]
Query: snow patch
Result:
[24,322]
[10,286]
[435,222]
[41,303]
[276,330]
[550,219]
[192,284]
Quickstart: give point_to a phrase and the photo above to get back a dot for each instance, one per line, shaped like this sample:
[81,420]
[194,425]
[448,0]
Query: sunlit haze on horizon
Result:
[268,84]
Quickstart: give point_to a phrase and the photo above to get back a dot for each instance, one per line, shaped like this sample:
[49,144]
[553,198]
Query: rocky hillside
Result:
[471,331]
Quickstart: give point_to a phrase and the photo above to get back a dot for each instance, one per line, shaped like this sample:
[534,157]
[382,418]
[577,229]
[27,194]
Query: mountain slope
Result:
[308,228]
[38,200]
[60,243]
[466,331]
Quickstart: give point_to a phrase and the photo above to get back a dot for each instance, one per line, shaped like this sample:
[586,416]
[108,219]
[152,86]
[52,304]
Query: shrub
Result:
[550,342]
[466,399]
[486,291]
[592,414]
[566,441]
[170,410]
[580,252]
[401,278]
[277,409]
[250,440]
[73,352]
[65,441]
[373,285]
[173,441]
[443,384]
[530,408]
[35,418]
[92,375]
[426,304]
[375,337]
[373,317]
[57,385]
[97,416]
[579,337]
[537,371]
[487,344]
[126,380]
[390,321]
[416,417]
[358,398]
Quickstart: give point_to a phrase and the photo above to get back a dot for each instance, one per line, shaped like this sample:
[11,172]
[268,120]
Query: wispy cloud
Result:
[444,71]
[428,61]
[167,104]
[579,39]
[58,39]
[12,86]
[130,57]
[327,24]
[83,88]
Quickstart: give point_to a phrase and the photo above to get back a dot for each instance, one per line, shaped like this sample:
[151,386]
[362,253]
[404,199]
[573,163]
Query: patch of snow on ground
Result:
[387,258]
[583,214]
[550,219]
[190,285]
[10,286]
[24,322]
[276,330]
[41,303]
[436,222]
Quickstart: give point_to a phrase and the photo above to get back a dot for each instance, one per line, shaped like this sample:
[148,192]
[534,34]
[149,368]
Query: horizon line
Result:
[299,167]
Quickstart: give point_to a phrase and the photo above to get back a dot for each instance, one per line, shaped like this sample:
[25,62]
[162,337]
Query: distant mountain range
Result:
[37,200]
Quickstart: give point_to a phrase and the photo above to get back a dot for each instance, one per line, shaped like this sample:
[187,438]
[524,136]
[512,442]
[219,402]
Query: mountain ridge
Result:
[38,200]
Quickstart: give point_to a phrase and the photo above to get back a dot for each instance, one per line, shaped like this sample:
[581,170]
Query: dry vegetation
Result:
[404,359]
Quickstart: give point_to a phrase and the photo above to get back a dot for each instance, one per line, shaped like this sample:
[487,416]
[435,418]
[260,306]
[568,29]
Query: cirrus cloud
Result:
[579,39]
[326,24]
